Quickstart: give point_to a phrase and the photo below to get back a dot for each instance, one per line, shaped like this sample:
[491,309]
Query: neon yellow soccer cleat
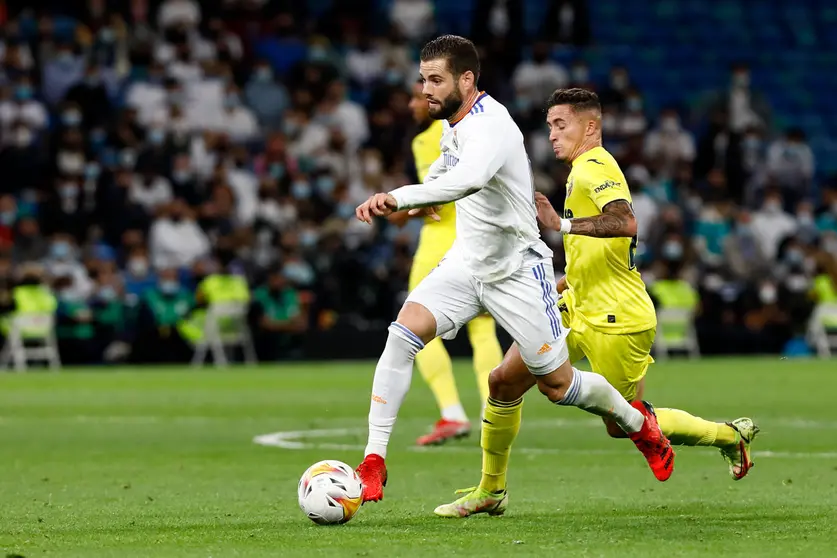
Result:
[738,455]
[475,500]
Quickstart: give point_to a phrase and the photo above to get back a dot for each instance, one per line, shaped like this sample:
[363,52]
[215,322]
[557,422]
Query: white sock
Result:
[455,412]
[591,392]
[392,382]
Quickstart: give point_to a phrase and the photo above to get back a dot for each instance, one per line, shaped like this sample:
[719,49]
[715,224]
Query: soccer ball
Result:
[330,492]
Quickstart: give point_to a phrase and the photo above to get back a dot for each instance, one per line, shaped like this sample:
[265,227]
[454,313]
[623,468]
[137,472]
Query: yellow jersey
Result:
[607,290]
[436,236]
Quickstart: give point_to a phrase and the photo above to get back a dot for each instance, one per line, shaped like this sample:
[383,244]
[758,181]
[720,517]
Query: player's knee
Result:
[419,320]
[504,385]
[556,384]
[554,394]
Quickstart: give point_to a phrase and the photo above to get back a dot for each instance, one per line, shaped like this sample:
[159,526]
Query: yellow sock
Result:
[683,429]
[482,333]
[435,366]
[499,429]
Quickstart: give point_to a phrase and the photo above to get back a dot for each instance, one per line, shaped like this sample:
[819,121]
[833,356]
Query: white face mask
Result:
[773,207]
[23,138]
[669,124]
[768,294]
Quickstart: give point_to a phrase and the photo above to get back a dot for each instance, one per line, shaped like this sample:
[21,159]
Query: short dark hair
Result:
[577,98]
[460,54]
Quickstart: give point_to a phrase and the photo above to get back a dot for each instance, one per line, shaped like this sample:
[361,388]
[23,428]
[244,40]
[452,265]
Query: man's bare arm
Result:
[616,220]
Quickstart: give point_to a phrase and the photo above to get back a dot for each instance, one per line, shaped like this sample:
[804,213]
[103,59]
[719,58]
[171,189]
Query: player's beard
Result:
[448,107]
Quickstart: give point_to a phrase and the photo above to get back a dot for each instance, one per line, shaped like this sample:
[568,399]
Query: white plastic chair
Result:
[22,347]
[681,319]
[225,326]
[823,338]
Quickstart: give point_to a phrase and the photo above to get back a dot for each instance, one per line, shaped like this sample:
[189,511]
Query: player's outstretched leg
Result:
[593,393]
[435,366]
[393,374]
[732,438]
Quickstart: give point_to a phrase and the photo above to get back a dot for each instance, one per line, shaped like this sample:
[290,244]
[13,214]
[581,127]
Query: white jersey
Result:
[485,169]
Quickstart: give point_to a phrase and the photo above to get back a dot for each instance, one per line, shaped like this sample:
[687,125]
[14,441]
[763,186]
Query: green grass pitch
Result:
[162,462]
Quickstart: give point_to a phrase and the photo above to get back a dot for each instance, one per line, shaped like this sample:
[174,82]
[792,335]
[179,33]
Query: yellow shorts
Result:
[422,266]
[622,359]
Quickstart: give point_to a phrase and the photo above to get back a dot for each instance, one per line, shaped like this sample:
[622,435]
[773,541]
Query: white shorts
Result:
[524,304]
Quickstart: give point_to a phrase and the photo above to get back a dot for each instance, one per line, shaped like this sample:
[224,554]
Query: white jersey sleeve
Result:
[482,153]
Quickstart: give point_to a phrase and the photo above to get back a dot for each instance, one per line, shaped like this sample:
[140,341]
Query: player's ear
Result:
[591,127]
[466,80]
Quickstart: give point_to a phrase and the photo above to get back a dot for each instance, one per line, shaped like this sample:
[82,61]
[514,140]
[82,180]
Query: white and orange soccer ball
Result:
[330,492]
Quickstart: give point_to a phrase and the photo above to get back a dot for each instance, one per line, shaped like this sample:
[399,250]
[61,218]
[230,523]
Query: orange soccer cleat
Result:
[445,430]
[653,444]
[373,476]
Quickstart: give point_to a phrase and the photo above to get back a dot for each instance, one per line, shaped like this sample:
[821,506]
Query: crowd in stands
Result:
[149,144]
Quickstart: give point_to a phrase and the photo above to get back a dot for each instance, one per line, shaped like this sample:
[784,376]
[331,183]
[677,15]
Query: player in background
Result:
[436,239]
[498,264]
[604,301]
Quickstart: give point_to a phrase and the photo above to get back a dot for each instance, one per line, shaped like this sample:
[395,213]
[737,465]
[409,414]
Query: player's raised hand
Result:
[432,212]
[546,213]
[379,204]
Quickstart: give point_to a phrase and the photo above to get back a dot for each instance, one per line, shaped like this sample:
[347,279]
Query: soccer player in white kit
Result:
[498,264]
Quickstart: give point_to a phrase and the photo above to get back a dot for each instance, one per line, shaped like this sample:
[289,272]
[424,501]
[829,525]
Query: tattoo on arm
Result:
[616,220]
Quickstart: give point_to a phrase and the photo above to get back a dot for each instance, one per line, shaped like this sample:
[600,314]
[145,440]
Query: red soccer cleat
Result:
[653,444]
[373,477]
[445,430]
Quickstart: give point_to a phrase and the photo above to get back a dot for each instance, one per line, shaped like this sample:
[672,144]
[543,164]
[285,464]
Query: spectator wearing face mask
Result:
[150,191]
[669,144]
[67,208]
[109,311]
[30,245]
[236,119]
[767,319]
[61,72]
[711,229]
[790,164]
[266,96]
[139,276]
[175,239]
[92,98]
[74,323]
[618,87]
[147,96]
[23,109]
[534,80]
[807,232]
[278,317]
[633,121]
[222,284]
[771,224]
[795,281]
[162,307]
[671,291]
[743,106]
[743,253]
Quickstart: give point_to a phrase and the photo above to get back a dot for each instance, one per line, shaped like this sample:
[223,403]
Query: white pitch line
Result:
[290,440]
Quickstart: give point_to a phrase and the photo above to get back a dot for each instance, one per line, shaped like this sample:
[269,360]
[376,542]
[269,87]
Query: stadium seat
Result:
[225,327]
[31,338]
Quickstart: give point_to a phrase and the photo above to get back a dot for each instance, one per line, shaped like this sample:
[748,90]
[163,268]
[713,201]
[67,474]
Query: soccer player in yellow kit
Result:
[437,237]
[604,302]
